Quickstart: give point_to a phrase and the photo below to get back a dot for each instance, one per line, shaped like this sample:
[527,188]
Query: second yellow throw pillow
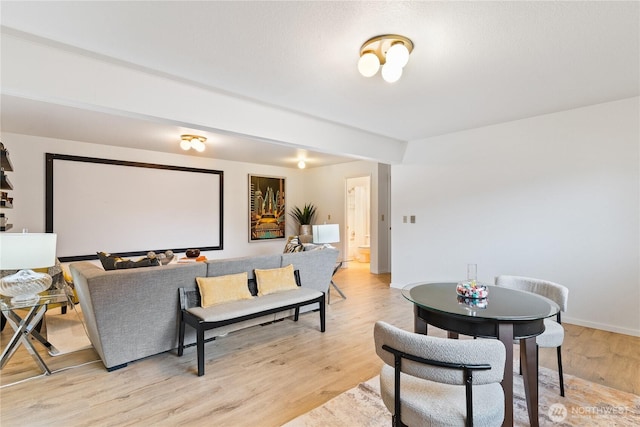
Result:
[275,280]
[219,289]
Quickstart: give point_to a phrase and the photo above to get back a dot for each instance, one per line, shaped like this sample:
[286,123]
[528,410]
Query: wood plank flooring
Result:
[262,376]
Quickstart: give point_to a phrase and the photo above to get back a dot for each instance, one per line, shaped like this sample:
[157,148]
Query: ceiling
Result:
[474,64]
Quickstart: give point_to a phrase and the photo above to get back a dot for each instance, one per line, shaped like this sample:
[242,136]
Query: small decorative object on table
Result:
[192,253]
[165,258]
[472,289]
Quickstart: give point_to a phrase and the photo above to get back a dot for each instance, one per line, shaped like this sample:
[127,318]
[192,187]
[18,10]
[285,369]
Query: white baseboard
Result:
[601,326]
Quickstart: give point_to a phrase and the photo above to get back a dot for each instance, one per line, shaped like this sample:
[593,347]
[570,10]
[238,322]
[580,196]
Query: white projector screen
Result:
[130,208]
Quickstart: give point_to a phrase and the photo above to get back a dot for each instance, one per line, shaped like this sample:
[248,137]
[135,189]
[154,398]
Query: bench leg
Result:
[181,336]
[322,314]
[200,344]
[297,314]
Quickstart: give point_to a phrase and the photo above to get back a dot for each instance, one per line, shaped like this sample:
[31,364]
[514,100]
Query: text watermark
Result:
[558,412]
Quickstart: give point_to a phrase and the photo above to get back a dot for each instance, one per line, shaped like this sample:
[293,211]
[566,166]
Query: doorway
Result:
[358,219]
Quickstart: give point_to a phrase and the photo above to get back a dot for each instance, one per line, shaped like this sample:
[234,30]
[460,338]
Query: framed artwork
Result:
[267,211]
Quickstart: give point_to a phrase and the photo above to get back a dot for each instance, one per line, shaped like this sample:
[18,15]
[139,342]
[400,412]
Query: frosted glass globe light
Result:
[368,64]
[390,73]
[197,145]
[185,145]
[397,55]
[302,164]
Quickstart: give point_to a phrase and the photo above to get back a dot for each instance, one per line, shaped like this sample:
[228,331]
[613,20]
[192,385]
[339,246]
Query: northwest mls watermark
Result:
[558,412]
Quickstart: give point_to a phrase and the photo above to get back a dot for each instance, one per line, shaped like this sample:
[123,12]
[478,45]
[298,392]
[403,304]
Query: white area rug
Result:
[584,404]
[66,332]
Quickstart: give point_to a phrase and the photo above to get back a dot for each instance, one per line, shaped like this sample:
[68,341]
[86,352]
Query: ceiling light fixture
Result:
[192,141]
[390,50]
[302,164]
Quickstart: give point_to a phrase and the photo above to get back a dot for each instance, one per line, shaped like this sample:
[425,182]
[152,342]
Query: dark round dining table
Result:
[506,314]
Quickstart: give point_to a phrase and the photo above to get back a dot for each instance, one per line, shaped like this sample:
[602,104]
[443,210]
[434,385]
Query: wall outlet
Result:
[328,217]
[413,219]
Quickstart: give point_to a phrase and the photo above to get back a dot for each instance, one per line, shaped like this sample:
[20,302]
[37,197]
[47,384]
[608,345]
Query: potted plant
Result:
[304,217]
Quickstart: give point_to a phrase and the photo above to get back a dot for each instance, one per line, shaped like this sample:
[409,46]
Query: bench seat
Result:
[235,309]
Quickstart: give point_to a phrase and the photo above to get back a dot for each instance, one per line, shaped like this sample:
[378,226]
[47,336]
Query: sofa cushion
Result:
[275,280]
[221,289]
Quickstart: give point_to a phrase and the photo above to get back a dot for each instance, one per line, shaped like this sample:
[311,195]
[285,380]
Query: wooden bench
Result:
[216,316]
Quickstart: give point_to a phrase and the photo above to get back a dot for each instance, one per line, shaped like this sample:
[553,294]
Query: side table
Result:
[25,327]
[335,270]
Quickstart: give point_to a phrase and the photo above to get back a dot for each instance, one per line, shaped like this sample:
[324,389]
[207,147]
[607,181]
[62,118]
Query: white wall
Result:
[28,158]
[322,186]
[325,187]
[555,197]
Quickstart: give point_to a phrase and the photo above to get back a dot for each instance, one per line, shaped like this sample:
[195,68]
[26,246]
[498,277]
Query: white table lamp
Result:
[326,233]
[24,251]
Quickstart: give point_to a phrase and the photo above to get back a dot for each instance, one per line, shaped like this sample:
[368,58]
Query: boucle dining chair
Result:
[437,381]
[553,335]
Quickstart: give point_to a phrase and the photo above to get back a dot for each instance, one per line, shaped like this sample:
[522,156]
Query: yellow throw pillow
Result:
[220,289]
[275,280]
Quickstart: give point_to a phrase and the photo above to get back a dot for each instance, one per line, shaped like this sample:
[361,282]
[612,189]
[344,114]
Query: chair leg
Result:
[396,422]
[322,314]
[560,370]
[181,337]
[200,346]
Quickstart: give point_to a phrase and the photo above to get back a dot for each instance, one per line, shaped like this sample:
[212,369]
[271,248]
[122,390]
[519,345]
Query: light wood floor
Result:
[262,376]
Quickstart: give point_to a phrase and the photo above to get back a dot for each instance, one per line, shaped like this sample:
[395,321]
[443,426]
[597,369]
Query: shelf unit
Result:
[6,202]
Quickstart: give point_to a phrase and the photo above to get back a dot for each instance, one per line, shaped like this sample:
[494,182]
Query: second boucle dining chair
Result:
[553,335]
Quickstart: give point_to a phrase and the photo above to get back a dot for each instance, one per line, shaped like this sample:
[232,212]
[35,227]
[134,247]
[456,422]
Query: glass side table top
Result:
[47,297]
[501,304]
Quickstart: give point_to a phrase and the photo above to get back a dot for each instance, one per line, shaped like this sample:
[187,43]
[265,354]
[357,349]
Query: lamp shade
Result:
[20,251]
[326,233]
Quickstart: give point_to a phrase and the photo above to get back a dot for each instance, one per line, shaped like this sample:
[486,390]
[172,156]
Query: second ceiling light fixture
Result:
[192,141]
[389,50]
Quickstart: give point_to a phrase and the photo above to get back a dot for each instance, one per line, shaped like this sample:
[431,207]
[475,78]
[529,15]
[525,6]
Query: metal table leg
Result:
[335,270]
[24,328]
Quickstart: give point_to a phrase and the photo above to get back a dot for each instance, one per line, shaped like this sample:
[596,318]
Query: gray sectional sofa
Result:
[134,313]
